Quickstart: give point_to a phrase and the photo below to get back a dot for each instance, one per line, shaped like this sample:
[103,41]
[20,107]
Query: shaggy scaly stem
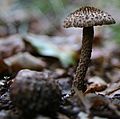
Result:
[88,34]
[78,82]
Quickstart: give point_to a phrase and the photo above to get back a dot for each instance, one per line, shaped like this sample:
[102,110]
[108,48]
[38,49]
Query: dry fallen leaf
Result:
[11,46]
[96,84]
[112,89]
[101,104]
[24,60]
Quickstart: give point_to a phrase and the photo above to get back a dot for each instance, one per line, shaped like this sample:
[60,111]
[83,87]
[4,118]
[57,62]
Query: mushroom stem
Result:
[88,34]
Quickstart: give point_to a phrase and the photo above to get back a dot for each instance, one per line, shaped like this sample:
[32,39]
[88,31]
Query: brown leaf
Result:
[11,46]
[96,84]
[101,104]
[112,89]
[25,60]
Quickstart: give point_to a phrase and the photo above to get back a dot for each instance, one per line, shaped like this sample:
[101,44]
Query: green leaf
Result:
[45,46]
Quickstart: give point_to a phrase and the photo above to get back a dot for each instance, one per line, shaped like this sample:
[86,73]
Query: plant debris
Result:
[38,60]
[34,92]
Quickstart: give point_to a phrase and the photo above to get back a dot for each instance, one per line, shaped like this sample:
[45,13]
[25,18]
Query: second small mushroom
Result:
[86,18]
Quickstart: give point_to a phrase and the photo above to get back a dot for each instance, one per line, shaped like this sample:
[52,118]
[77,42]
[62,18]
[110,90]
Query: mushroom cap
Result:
[87,17]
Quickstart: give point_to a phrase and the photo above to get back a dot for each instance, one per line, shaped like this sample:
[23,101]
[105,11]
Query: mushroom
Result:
[86,18]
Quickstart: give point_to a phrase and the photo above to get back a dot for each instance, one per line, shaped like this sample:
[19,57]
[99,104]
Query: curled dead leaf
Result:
[96,85]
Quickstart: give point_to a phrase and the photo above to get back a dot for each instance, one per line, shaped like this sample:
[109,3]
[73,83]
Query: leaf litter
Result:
[55,58]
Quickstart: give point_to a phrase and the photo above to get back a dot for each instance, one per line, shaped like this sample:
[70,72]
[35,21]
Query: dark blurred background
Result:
[46,16]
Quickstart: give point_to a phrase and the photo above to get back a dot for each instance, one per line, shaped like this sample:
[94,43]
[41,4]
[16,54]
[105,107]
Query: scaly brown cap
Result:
[88,16]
